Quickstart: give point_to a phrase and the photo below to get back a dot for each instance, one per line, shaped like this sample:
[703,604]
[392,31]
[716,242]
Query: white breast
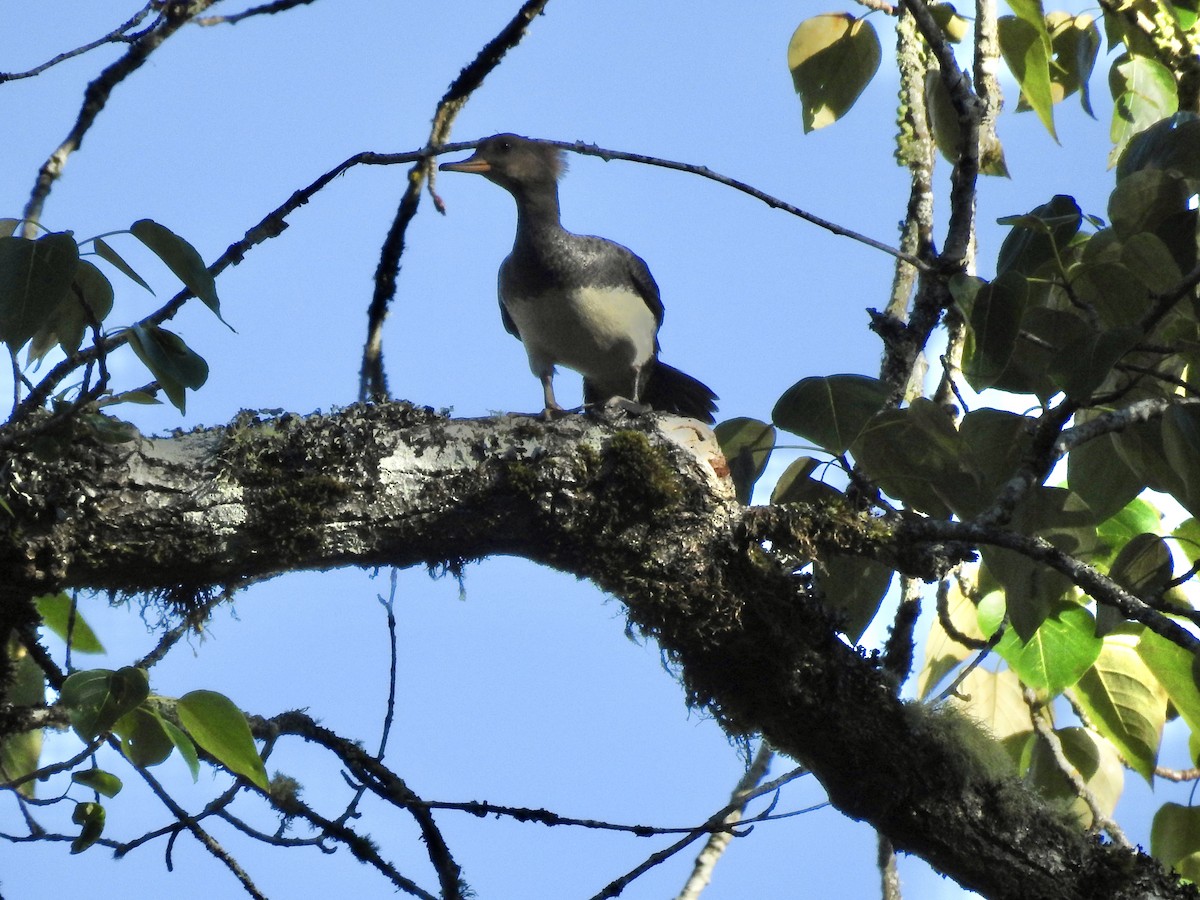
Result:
[602,333]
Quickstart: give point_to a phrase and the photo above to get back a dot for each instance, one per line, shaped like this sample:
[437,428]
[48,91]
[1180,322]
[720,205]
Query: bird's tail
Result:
[669,390]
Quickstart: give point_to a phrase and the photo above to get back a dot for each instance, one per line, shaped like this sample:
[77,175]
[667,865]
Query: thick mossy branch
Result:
[641,507]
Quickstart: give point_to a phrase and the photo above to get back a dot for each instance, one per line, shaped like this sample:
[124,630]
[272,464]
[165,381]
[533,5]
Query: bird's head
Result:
[515,163]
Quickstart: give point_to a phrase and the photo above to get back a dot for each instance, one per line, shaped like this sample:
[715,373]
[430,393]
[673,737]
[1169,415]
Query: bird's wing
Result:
[639,273]
[503,286]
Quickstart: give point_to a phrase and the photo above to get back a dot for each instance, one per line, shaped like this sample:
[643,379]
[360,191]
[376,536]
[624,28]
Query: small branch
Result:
[1118,420]
[1100,820]
[898,652]
[1097,586]
[372,380]
[264,9]
[95,98]
[189,822]
[1177,775]
[889,875]
[117,35]
[381,781]
[773,202]
[717,843]
[614,888]
[943,614]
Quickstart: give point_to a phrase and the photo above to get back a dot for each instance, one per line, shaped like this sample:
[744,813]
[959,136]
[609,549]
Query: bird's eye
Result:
[505,146]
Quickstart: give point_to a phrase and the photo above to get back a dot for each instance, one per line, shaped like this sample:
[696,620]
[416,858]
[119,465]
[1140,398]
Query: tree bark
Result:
[642,507]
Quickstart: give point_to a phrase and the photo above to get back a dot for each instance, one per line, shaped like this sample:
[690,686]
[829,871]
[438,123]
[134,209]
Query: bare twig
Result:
[1100,819]
[773,202]
[263,9]
[614,888]
[95,98]
[1100,587]
[120,34]
[718,841]
[372,379]
[189,822]
[381,781]
[1118,420]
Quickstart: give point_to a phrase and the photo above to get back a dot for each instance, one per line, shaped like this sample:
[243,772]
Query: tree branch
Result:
[638,505]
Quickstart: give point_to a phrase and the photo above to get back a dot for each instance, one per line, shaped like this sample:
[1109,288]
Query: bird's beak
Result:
[470,164]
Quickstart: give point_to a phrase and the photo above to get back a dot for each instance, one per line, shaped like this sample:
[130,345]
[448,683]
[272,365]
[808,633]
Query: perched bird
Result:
[579,301]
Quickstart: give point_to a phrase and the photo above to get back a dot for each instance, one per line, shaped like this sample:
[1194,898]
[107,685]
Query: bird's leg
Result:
[552,410]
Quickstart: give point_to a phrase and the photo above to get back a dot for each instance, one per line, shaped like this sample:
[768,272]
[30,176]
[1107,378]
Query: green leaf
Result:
[1124,701]
[181,258]
[914,454]
[1151,262]
[1173,667]
[995,322]
[1039,236]
[1058,653]
[20,752]
[35,277]
[1187,537]
[109,255]
[1172,143]
[66,328]
[1026,49]
[185,746]
[855,587]
[796,484]
[1143,92]
[1093,758]
[99,781]
[91,817]
[1076,43]
[143,737]
[1181,442]
[1098,473]
[1144,566]
[96,698]
[830,411]
[1114,291]
[1088,357]
[173,364]
[747,445]
[1175,839]
[995,442]
[832,58]
[218,726]
[55,610]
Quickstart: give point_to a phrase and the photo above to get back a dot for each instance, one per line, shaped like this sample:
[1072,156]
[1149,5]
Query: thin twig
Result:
[719,841]
[117,35]
[95,98]
[1098,586]
[264,9]
[774,202]
[614,888]
[189,822]
[372,379]
[1101,821]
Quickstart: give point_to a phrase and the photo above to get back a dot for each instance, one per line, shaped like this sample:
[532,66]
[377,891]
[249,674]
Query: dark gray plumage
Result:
[579,301]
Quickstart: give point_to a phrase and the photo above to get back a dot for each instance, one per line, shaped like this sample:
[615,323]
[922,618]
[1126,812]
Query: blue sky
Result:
[521,688]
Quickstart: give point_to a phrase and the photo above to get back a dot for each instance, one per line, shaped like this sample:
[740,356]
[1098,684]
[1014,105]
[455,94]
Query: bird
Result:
[579,301]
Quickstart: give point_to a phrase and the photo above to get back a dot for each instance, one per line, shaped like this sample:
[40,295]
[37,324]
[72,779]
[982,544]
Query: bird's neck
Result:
[537,213]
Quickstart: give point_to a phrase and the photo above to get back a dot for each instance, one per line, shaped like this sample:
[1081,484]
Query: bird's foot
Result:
[550,413]
[618,406]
